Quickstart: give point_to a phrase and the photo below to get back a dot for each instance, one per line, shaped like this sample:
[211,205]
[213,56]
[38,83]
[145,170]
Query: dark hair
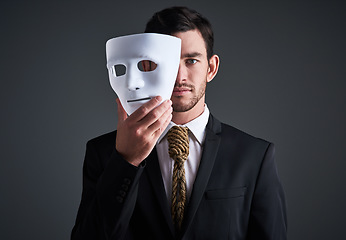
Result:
[181,19]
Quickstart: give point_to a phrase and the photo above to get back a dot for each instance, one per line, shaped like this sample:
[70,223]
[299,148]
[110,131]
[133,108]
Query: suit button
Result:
[127,181]
[122,193]
[119,199]
[125,187]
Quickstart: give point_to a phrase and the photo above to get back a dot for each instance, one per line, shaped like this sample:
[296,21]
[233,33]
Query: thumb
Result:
[122,115]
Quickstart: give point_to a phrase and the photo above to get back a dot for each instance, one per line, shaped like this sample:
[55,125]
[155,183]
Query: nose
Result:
[182,74]
[134,81]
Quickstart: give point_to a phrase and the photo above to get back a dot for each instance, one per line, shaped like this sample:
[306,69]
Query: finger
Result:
[166,120]
[122,115]
[161,121]
[143,110]
[156,113]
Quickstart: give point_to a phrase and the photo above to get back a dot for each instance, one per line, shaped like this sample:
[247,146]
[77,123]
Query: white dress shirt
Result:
[196,139]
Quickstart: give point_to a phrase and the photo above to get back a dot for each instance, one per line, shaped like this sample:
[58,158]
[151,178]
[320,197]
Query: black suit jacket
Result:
[236,195]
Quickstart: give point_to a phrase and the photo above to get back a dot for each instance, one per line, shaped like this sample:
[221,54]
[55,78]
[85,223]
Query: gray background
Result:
[282,78]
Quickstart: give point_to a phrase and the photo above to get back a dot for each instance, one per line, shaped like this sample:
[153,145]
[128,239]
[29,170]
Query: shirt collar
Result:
[196,126]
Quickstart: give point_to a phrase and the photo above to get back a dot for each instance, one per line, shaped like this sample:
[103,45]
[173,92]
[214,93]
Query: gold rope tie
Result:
[178,139]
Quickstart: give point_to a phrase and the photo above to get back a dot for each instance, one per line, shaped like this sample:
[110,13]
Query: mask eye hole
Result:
[146,66]
[118,70]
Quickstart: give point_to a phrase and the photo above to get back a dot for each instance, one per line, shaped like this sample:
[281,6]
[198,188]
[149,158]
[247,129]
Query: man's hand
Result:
[138,133]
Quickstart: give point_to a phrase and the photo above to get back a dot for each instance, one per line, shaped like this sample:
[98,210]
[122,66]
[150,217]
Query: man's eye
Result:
[191,61]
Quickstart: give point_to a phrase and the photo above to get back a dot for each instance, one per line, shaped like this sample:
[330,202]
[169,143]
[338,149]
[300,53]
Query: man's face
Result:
[189,89]
[142,66]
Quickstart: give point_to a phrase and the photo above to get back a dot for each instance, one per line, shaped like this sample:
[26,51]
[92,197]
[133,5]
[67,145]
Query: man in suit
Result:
[232,186]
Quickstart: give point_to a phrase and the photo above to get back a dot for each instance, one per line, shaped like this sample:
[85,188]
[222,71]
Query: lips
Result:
[181,89]
[178,91]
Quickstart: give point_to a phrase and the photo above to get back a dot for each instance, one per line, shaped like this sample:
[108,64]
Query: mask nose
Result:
[134,81]
[134,84]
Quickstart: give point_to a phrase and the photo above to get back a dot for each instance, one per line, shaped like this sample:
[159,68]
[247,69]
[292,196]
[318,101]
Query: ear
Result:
[214,62]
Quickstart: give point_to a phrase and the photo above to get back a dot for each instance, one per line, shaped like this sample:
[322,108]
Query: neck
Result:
[181,118]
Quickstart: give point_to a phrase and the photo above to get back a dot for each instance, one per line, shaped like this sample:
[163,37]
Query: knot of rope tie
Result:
[178,140]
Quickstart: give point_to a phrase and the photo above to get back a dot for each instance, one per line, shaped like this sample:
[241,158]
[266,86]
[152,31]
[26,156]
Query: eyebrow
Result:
[192,55]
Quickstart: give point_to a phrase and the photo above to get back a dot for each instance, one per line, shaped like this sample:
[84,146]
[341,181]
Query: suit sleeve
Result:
[268,219]
[109,195]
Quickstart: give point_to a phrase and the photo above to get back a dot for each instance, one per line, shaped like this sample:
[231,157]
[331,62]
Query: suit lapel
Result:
[211,146]
[155,177]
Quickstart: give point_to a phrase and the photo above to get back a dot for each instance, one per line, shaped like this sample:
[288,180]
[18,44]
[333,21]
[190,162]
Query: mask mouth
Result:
[139,99]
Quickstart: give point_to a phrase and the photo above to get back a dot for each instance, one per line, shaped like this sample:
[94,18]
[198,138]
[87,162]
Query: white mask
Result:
[142,66]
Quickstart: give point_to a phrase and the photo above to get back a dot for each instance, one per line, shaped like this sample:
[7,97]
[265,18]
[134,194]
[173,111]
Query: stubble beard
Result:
[193,100]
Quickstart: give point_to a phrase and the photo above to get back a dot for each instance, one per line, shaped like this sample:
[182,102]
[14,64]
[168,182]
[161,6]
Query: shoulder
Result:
[106,140]
[238,134]
[99,149]
[237,137]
